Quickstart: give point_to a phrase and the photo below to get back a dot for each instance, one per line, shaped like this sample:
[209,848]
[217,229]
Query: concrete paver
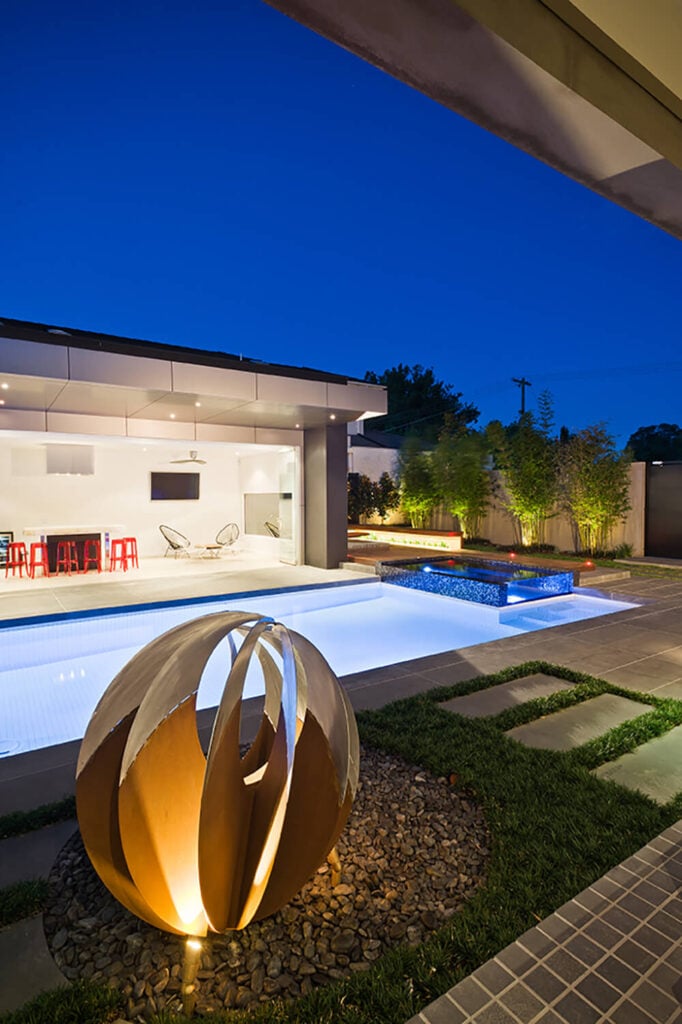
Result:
[574,726]
[27,968]
[655,768]
[506,695]
[32,855]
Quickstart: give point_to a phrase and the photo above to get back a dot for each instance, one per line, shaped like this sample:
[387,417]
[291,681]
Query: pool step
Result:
[361,567]
[602,577]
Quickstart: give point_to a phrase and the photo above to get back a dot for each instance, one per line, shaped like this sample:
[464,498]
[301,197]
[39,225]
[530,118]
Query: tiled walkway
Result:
[612,954]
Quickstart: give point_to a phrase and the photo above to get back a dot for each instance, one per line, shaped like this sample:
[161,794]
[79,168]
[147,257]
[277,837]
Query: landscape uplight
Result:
[190,966]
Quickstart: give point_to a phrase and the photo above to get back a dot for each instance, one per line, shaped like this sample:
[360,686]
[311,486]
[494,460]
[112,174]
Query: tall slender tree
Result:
[595,485]
[418,492]
[462,477]
[526,455]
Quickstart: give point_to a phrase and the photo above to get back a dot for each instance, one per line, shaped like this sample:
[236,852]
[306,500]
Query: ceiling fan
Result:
[193,457]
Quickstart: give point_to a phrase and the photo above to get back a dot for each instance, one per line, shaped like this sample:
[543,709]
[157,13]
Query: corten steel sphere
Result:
[192,843]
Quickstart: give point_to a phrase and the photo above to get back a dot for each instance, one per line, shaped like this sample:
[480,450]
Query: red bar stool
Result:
[92,553]
[130,547]
[17,558]
[67,556]
[38,559]
[117,555]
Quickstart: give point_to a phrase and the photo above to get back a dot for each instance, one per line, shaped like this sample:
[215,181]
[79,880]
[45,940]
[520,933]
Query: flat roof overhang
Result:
[55,380]
[591,87]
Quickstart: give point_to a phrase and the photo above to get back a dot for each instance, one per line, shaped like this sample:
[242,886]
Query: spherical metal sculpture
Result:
[192,842]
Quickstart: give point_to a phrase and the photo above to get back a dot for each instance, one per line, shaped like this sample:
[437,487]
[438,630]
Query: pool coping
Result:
[146,606]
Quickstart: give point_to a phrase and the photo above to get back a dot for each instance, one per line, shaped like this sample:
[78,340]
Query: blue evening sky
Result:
[215,175]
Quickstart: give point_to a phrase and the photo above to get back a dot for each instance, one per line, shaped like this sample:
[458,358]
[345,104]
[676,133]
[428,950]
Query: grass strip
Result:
[80,1003]
[23,899]
[18,822]
[555,830]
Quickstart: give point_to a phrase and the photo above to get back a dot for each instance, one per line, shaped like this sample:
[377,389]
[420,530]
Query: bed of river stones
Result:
[413,850]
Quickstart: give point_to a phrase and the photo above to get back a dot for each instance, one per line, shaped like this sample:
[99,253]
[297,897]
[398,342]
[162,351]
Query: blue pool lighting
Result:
[479,580]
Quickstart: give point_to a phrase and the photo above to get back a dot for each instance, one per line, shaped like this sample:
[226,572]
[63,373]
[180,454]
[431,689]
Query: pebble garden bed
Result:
[413,851]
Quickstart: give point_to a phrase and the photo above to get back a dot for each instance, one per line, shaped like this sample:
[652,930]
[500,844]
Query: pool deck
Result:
[639,648]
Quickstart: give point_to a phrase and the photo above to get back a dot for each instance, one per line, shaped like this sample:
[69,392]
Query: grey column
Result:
[325,455]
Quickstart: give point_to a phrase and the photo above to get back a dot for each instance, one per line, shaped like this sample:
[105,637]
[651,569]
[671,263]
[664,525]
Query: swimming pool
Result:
[53,673]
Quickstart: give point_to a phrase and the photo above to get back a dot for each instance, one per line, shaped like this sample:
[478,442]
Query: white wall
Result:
[118,493]
[373,462]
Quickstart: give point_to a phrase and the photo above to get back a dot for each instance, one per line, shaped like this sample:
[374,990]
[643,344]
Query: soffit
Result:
[286,416]
[150,391]
[29,392]
[578,101]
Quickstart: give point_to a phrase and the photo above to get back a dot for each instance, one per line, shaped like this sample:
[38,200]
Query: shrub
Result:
[360,497]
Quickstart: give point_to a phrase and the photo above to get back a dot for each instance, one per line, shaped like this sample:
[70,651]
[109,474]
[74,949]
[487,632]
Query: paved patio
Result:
[622,936]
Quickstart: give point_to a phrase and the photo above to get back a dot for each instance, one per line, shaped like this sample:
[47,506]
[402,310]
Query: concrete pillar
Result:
[326,496]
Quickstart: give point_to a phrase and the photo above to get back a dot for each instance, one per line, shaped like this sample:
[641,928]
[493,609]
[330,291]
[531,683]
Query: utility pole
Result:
[523,384]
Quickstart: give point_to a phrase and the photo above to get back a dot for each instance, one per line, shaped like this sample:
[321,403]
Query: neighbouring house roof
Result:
[376,439]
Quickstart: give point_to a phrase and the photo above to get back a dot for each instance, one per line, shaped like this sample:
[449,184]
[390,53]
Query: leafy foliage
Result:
[595,483]
[366,496]
[462,480]
[526,455]
[360,497]
[418,402]
[386,495]
[418,489]
[660,443]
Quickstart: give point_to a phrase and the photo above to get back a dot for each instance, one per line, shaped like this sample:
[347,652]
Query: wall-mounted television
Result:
[175,487]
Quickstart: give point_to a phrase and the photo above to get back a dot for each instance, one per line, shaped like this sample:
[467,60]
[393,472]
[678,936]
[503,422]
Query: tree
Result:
[662,443]
[386,495]
[418,493]
[418,402]
[459,465]
[526,455]
[360,497]
[596,484]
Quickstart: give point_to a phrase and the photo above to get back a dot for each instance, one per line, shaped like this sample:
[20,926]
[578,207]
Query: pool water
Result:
[53,673]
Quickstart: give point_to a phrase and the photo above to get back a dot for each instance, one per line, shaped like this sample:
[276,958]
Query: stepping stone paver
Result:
[574,726]
[655,768]
[27,964]
[505,695]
